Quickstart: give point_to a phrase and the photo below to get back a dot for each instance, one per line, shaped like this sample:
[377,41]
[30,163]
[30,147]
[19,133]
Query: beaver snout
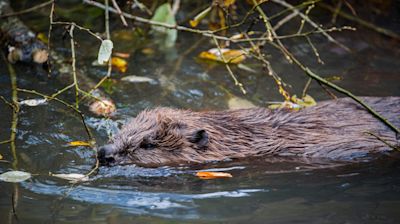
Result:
[105,154]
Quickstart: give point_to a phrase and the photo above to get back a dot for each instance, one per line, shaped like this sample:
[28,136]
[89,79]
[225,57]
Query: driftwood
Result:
[22,45]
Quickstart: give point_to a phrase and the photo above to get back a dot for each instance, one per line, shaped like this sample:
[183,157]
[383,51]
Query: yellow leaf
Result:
[79,143]
[295,103]
[230,56]
[228,2]
[306,101]
[42,37]
[212,175]
[148,51]
[119,64]
[334,78]
[1,157]
[194,23]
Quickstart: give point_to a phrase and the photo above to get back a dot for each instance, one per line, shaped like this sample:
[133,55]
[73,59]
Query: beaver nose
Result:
[105,154]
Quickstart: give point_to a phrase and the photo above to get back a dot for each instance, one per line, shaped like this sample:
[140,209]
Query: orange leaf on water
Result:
[230,55]
[79,143]
[122,54]
[212,175]
[119,64]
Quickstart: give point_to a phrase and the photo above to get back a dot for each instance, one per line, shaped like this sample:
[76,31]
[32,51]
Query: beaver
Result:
[335,129]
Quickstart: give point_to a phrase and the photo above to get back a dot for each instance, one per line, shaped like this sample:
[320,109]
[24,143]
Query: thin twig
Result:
[362,22]
[123,20]
[237,83]
[24,11]
[305,89]
[309,21]
[71,34]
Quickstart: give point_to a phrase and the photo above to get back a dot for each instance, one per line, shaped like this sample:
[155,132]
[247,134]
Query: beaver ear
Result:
[200,137]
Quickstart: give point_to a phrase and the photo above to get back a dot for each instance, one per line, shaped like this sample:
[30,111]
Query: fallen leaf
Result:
[33,102]
[75,177]
[1,157]
[105,51]
[79,143]
[42,37]
[285,104]
[334,78]
[119,64]
[148,51]
[295,103]
[230,56]
[15,176]
[134,78]
[239,103]
[102,107]
[212,175]
[306,101]
[122,55]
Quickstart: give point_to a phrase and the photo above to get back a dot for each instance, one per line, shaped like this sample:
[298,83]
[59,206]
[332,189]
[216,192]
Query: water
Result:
[261,191]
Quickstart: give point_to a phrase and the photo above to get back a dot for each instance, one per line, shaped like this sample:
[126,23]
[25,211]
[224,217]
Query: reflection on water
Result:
[167,205]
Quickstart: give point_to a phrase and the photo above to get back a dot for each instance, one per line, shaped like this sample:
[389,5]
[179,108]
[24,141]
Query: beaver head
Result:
[158,137]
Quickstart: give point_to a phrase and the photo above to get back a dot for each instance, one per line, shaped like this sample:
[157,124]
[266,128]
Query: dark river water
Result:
[261,190]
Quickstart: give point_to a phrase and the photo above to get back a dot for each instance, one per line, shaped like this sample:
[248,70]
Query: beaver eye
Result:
[147,145]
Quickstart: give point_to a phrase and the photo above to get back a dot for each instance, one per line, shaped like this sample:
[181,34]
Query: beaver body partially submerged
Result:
[336,129]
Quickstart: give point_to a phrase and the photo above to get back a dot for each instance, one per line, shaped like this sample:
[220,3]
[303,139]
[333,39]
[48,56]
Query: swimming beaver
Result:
[335,129]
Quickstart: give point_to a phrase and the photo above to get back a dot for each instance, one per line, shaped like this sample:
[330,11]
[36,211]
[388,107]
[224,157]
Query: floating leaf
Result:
[33,102]
[239,103]
[15,176]
[42,37]
[199,17]
[212,175]
[306,101]
[334,78]
[230,56]
[134,78]
[102,107]
[119,64]
[285,104]
[148,51]
[79,143]
[164,14]
[295,103]
[105,51]
[122,55]
[75,177]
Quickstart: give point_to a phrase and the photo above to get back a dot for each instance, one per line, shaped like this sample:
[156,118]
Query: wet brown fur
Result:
[335,129]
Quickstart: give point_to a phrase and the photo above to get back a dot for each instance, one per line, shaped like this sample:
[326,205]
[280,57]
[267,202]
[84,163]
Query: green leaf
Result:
[105,51]
[164,14]
[15,176]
